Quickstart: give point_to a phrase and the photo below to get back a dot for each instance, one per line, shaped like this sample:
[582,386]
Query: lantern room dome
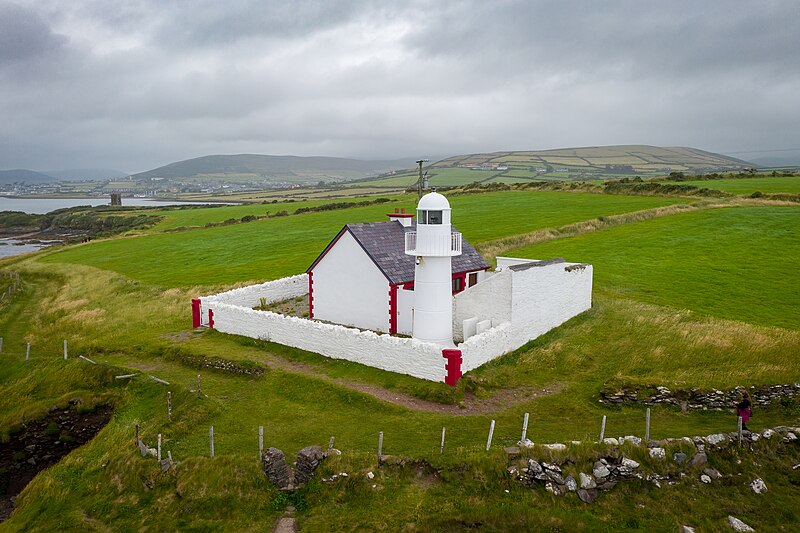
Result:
[433,201]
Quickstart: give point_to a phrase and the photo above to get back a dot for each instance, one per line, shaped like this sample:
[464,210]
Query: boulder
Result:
[527,443]
[557,446]
[758,486]
[611,441]
[636,441]
[716,439]
[571,484]
[587,482]
[551,467]
[738,525]
[588,495]
[768,434]
[679,457]
[790,437]
[713,473]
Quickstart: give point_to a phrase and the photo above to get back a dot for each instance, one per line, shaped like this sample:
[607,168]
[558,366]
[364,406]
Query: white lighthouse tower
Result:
[433,245]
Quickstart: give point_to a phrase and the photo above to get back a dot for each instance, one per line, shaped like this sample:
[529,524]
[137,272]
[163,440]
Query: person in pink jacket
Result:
[743,409]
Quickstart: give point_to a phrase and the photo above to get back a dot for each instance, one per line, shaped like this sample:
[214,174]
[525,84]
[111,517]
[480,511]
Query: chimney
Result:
[401,216]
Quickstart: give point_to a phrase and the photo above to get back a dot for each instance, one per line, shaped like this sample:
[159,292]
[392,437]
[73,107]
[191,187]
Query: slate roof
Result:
[384,243]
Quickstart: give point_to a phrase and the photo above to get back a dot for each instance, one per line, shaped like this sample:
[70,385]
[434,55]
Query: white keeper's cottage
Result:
[365,278]
[411,277]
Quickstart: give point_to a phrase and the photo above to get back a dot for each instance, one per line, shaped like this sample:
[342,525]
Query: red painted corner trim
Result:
[453,365]
[392,308]
[310,295]
[196,320]
[211,318]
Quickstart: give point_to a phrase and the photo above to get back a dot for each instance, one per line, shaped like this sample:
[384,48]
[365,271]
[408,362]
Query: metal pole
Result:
[524,428]
[603,429]
[260,441]
[739,432]
[380,445]
[647,427]
[441,448]
[491,433]
[28,352]
[65,349]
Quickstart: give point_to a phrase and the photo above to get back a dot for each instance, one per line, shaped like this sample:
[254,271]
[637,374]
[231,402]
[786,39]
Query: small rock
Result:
[571,484]
[370,475]
[738,525]
[588,495]
[152,451]
[551,466]
[685,529]
[629,463]
[600,470]
[286,524]
[754,437]
[716,439]
[32,461]
[713,473]
[165,464]
[587,482]
[758,486]
[658,453]
[679,457]
[143,448]
[527,443]
[768,434]
[636,441]
[555,477]
[705,479]
[611,441]
[557,446]
[790,437]
[699,459]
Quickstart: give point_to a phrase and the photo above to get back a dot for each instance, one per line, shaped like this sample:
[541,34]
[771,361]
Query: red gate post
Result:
[453,365]
[195,312]
[211,319]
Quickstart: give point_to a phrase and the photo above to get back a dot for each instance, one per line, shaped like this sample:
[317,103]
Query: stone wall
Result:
[697,398]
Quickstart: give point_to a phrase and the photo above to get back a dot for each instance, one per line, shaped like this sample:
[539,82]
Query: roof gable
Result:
[384,243]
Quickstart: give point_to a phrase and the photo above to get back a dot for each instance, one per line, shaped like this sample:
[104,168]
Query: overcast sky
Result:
[135,84]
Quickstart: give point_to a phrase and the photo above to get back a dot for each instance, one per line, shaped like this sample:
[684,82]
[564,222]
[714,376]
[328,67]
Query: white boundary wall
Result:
[540,299]
[233,314]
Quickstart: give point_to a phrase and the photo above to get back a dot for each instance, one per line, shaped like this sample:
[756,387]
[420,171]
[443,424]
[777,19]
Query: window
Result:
[458,284]
[429,217]
[473,278]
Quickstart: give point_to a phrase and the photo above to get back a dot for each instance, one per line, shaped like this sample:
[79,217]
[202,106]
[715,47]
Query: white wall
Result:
[490,299]
[395,354]
[542,298]
[349,289]
[273,291]
[505,262]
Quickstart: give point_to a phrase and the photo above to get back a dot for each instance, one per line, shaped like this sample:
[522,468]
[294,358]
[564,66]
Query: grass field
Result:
[125,303]
[731,263]
[273,248]
[768,184]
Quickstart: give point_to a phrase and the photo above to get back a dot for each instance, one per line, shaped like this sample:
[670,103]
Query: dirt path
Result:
[471,404]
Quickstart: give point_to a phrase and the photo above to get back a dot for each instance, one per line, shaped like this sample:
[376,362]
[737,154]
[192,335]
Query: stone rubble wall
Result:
[699,399]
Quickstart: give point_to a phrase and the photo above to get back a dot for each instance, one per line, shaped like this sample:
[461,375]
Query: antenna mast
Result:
[421,178]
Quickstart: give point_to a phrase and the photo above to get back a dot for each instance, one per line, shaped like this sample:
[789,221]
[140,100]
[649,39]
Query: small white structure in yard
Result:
[421,279]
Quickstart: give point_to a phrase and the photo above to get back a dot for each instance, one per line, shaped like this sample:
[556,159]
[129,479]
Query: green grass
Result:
[784,184]
[283,246]
[732,263]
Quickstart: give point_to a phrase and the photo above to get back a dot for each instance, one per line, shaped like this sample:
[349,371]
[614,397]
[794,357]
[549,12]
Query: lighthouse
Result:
[433,245]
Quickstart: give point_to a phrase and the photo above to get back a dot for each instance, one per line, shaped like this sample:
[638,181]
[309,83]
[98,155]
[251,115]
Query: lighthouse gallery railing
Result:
[434,244]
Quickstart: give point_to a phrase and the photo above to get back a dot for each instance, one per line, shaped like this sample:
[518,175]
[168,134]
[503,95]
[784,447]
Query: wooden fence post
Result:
[211,437]
[603,429]
[524,428]
[441,447]
[65,349]
[260,442]
[647,427]
[491,433]
[28,352]
[380,446]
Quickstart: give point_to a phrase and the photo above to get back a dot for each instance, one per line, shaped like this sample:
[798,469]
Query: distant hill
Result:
[633,159]
[273,168]
[86,174]
[22,175]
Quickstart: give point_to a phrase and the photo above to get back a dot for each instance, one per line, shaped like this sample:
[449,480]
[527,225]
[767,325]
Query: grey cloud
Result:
[24,35]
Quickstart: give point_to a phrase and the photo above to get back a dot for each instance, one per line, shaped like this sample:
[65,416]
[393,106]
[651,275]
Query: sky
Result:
[135,84]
